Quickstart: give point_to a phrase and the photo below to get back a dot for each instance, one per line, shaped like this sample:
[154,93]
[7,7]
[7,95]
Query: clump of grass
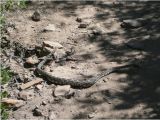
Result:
[5,76]
[22,4]
[10,5]
[4,108]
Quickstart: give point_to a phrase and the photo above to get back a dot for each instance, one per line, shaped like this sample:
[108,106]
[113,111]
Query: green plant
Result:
[10,5]
[22,4]
[5,76]
[4,108]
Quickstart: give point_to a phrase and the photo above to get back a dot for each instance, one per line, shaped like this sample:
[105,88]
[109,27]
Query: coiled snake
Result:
[78,83]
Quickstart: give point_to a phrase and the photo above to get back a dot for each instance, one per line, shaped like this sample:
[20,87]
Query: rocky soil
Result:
[100,35]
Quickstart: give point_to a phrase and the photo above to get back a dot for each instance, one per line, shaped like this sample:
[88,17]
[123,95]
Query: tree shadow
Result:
[144,84]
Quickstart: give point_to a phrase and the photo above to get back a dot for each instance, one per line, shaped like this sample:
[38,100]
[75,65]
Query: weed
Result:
[5,76]
[4,108]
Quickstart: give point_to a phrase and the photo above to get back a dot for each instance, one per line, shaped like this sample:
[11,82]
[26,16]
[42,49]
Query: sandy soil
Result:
[129,94]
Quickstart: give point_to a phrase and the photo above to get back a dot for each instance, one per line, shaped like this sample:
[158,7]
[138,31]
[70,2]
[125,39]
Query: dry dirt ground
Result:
[129,94]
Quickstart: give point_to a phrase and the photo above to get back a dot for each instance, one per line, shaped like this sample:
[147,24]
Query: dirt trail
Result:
[129,94]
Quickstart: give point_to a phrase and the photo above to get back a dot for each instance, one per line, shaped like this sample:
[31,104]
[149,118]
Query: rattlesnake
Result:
[78,83]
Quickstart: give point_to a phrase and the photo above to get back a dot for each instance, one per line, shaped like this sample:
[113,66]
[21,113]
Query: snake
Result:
[78,83]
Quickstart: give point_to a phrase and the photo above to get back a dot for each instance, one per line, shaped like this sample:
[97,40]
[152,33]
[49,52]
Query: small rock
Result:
[51,69]
[39,87]
[62,90]
[13,102]
[83,25]
[59,54]
[79,20]
[37,112]
[58,99]
[36,16]
[44,102]
[25,95]
[97,62]
[52,44]
[52,115]
[31,83]
[104,80]
[131,24]
[32,60]
[20,104]
[70,94]
[91,115]
[73,67]
[51,27]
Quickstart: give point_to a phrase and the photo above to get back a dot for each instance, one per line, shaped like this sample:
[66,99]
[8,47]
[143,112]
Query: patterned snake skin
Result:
[77,83]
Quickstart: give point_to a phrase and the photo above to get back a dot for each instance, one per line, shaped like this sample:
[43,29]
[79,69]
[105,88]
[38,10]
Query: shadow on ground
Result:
[144,84]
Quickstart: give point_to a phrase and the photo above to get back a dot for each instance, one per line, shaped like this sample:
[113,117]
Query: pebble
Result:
[83,25]
[52,44]
[62,90]
[52,115]
[39,87]
[104,80]
[91,115]
[79,20]
[32,60]
[25,95]
[44,102]
[37,112]
[70,94]
[36,16]
[131,24]
[50,27]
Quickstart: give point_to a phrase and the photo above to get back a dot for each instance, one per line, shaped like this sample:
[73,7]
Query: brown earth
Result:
[129,94]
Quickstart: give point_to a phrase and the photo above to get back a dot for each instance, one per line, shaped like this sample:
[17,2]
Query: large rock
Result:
[52,44]
[62,90]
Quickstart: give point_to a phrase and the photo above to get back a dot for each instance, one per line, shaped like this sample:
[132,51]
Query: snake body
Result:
[77,83]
